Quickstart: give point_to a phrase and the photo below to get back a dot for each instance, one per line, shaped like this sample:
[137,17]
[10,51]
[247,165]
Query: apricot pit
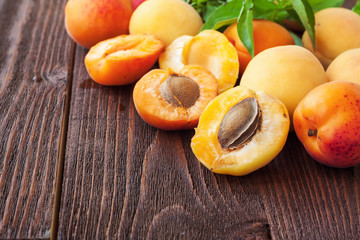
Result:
[180,91]
[239,124]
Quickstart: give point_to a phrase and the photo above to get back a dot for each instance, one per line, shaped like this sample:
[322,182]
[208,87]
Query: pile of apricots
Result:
[241,107]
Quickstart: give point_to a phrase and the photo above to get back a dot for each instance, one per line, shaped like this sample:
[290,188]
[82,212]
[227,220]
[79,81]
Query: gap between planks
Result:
[62,145]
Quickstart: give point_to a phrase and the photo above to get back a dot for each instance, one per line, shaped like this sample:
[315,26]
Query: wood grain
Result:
[34,66]
[125,179]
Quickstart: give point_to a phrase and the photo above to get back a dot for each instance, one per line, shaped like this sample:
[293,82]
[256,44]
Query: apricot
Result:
[123,59]
[173,101]
[210,49]
[345,67]
[240,131]
[336,30]
[166,19]
[266,34]
[327,122]
[285,72]
[88,22]
[136,3]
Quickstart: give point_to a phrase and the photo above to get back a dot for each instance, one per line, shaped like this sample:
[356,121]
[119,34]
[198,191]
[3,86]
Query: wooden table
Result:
[77,161]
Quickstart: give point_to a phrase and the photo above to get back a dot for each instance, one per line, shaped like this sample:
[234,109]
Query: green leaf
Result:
[224,15]
[317,5]
[356,8]
[306,15]
[297,39]
[245,26]
[265,9]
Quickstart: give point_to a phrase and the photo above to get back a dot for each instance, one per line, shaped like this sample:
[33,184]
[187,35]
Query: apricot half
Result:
[210,49]
[240,131]
[173,101]
[123,59]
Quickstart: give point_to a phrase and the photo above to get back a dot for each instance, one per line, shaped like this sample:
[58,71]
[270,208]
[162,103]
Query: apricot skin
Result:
[345,67]
[166,19]
[285,72]
[332,112]
[267,34]
[122,60]
[336,30]
[88,22]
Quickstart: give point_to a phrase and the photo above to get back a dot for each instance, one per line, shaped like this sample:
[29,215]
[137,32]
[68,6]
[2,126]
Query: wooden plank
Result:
[35,52]
[306,200]
[127,180]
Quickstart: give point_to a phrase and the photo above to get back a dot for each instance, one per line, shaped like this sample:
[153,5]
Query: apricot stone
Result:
[285,72]
[336,30]
[166,19]
[88,22]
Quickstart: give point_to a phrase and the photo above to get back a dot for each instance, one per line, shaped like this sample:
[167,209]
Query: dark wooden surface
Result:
[77,161]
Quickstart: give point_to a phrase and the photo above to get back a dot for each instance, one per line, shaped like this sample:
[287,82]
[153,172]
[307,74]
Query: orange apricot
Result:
[88,22]
[266,34]
[327,122]
[123,59]
[240,131]
[173,101]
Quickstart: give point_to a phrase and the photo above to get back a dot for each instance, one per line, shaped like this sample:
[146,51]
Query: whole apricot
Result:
[88,22]
[240,131]
[210,49]
[166,19]
[345,67]
[336,30]
[174,101]
[327,122]
[123,59]
[285,72]
[266,34]
[136,3]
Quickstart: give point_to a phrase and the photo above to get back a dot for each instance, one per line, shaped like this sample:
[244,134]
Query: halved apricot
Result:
[210,49]
[240,131]
[173,101]
[122,60]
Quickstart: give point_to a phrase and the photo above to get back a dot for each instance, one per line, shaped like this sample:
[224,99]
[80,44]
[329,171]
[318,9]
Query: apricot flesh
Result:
[285,72]
[172,113]
[166,19]
[336,30]
[210,49]
[122,60]
[266,34]
[327,122]
[345,67]
[88,22]
[259,149]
